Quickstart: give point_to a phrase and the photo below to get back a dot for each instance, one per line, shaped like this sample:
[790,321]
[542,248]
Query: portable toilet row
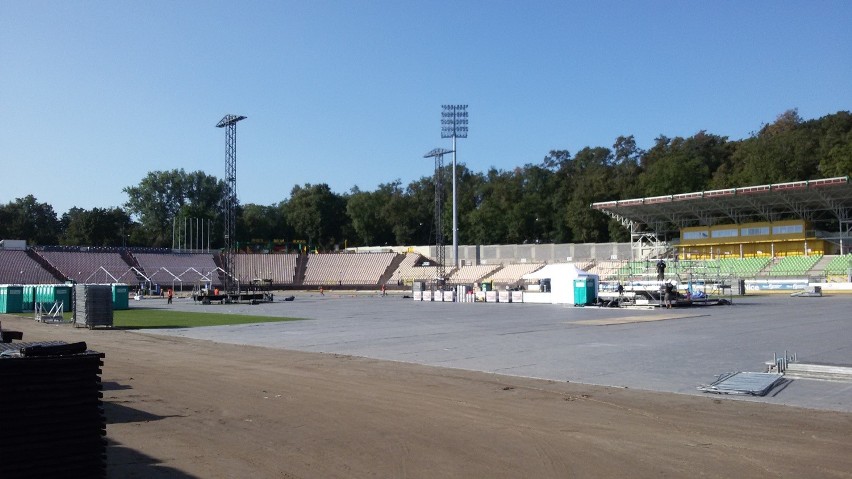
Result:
[23,298]
[46,295]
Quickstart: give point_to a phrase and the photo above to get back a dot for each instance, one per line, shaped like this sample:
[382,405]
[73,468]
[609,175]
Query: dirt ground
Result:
[180,408]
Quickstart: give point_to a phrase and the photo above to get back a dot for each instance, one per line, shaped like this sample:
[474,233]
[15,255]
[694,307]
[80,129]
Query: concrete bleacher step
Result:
[388,274]
[820,266]
[46,265]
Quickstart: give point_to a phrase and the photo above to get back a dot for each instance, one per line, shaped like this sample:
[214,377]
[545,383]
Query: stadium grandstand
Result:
[785,219]
[794,229]
[777,231]
[183,271]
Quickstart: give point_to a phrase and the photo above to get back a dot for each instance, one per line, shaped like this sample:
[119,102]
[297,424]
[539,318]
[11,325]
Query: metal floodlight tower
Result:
[230,123]
[454,125]
[438,154]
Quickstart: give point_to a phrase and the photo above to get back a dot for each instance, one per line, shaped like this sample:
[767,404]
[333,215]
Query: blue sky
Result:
[94,94]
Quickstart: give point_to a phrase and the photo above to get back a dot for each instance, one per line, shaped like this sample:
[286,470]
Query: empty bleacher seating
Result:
[280,268]
[18,268]
[742,267]
[637,268]
[408,270]
[90,266]
[839,265]
[512,273]
[607,269]
[471,273]
[347,268]
[794,265]
[183,267]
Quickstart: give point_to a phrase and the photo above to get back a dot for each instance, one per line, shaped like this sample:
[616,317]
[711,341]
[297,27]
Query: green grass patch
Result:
[141,318]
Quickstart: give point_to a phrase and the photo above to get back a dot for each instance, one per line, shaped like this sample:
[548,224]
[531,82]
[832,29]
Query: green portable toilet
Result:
[45,295]
[40,297]
[120,296]
[28,297]
[62,293]
[584,291]
[11,298]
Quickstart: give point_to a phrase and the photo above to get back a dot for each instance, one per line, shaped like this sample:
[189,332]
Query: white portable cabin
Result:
[561,276]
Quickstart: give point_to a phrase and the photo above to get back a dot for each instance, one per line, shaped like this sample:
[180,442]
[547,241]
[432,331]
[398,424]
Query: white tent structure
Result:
[561,276]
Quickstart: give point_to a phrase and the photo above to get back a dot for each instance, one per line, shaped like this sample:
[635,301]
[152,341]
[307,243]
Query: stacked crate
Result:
[93,305]
[51,411]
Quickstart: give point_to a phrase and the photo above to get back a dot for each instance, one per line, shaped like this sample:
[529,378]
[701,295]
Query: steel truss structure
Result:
[440,253]
[229,122]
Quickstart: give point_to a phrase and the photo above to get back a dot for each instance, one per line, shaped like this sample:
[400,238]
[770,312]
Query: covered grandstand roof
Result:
[828,198]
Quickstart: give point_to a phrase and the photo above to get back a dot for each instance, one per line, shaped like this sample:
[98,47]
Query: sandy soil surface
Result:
[181,408]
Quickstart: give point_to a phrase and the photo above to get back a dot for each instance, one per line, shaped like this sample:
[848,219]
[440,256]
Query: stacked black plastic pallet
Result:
[93,305]
[51,416]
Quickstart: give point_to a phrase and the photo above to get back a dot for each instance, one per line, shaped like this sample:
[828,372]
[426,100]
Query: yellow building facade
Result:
[752,240]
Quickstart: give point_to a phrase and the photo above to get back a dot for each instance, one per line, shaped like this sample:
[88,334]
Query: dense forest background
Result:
[546,202]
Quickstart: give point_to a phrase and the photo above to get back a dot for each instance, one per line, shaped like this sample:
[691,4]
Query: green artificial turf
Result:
[142,318]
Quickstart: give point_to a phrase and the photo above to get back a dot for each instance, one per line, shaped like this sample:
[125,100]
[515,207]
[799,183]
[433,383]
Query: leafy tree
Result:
[786,150]
[96,227]
[368,213]
[163,196]
[317,214]
[513,206]
[27,219]
[835,145]
[487,221]
[583,180]
[417,207]
[259,223]
[681,165]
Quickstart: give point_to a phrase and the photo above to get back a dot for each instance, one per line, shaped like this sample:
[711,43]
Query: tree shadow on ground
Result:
[117,413]
[124,462]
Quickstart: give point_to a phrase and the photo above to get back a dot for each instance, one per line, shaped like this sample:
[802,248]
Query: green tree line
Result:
[544,202]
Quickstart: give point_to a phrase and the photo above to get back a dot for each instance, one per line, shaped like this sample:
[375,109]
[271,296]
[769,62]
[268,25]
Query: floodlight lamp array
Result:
[454,121]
